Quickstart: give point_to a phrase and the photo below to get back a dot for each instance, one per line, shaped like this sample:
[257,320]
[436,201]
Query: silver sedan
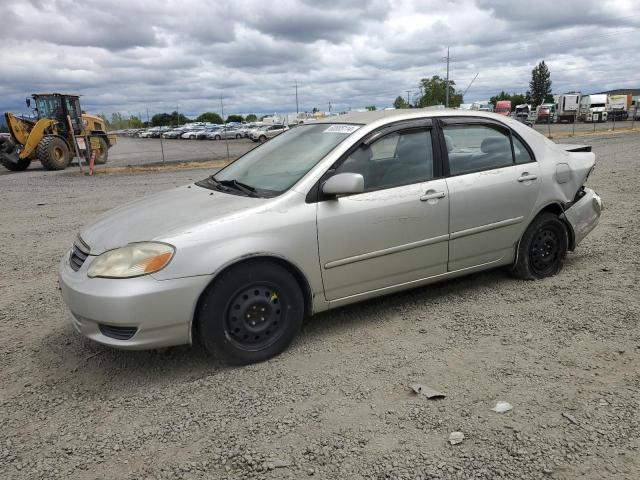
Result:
[327,214]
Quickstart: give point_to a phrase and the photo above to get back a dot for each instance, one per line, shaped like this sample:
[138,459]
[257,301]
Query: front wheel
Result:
[251,313]
[542,249]
[217,137]
[262,139]
[238,136]
[53,153]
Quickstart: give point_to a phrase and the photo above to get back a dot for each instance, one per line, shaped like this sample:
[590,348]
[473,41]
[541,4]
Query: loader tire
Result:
[53,153]
[9,158]
[102,155]
[21,165]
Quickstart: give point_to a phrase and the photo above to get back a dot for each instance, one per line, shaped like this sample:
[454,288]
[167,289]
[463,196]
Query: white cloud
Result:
[131,55]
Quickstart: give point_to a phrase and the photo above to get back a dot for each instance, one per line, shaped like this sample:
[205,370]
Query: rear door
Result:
[493,183]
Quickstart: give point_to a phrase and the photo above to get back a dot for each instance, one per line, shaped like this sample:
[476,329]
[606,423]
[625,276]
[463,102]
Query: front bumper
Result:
[161,311]
[584,215]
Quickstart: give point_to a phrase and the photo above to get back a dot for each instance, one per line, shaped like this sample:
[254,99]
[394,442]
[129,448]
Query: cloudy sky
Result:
[128,55]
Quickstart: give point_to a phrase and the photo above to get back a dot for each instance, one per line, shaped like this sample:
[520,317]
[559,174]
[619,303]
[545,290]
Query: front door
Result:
[396,231]
[492,190]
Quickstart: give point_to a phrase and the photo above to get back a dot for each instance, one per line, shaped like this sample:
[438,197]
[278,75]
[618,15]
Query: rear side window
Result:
[522,155]
[474,148]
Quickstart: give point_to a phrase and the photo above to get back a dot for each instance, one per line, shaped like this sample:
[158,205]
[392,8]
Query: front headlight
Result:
[133,260]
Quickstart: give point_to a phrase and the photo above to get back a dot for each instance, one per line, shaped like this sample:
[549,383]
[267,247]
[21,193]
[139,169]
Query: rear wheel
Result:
[53,153]
[251,313]
[238,136]
[262,139]
[543,248]
[217,137]
[102,155]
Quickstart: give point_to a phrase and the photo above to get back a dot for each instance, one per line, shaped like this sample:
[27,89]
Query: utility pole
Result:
[446,101]
[148,122]
[297,112]
[329,107]
[226,138]
[408,92]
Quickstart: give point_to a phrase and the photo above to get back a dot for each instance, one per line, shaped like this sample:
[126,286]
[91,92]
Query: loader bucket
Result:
[9,151]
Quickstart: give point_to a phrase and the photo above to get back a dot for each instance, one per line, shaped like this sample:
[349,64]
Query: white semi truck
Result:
[568,106]
[618,107]
[593,108]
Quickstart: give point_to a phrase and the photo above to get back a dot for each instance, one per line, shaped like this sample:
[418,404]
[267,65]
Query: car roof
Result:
[366,118]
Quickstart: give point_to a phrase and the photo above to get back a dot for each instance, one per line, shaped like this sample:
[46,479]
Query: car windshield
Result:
[278,164]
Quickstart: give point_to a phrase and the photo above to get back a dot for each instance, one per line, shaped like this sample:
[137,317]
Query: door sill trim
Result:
[385,251]
[485,228]
[405,285]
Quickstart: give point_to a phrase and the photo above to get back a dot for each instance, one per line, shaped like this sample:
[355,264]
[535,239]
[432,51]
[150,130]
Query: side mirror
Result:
[343,184]
[28,100]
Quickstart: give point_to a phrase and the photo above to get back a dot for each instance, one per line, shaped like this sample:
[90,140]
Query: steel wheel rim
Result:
[58,154]
[545,251]
[254,318]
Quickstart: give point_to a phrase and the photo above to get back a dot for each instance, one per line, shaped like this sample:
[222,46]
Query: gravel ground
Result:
[563,351]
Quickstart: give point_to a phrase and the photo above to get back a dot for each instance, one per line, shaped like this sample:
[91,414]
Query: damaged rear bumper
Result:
[584,215]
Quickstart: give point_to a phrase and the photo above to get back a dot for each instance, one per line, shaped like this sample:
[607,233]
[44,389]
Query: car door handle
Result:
[526,176]
[431,195]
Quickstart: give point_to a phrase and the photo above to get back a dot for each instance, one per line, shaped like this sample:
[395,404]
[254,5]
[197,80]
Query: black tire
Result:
[238,136]
[102,155]
[262,139]
[542,249]
[217,137]
[8,148]
[53,153]
[251,313]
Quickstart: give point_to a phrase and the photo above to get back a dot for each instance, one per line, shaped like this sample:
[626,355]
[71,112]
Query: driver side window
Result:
[398,158]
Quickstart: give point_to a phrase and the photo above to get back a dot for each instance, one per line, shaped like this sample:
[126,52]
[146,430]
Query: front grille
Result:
[118,333]
[79,254]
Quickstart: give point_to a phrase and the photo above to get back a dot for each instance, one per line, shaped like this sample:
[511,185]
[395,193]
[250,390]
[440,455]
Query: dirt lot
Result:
[565,352]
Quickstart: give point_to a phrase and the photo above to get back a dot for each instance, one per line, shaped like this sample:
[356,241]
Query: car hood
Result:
[162,215]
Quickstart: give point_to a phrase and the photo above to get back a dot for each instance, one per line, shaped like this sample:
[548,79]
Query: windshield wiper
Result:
[243,187]
[217,184]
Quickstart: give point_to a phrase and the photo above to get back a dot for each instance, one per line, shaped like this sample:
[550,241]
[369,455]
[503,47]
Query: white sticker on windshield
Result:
[342,129]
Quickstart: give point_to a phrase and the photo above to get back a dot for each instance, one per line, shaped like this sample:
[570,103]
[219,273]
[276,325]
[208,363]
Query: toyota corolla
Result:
[326,214]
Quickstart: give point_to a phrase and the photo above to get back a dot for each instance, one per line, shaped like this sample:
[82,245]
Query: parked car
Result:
[246,129]
[175,133]
[226,133]
[204,134]
[316,218]
[191,134]
[147,133]
[266,132]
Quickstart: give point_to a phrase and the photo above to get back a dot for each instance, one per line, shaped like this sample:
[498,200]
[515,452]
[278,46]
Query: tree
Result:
[540,84]
[400,102]
[210,117]
[516,98]
[251,118]
[435,92]
[371,108]
[165,119]
[235,118]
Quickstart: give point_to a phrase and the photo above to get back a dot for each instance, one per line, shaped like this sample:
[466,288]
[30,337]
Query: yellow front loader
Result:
[59,132]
